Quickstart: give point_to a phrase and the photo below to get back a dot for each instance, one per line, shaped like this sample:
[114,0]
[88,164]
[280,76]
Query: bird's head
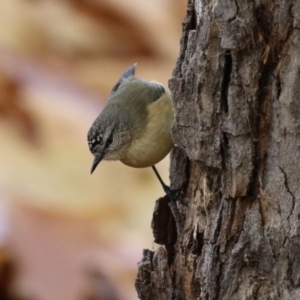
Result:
[110,134]
[107,140]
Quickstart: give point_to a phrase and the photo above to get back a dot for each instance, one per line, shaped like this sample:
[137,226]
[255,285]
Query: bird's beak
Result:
[97,159]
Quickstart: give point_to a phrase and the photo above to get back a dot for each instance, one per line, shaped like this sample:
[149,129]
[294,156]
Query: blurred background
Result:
[64,234]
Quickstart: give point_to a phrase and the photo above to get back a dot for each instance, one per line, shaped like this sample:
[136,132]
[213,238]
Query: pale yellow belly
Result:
[156,142]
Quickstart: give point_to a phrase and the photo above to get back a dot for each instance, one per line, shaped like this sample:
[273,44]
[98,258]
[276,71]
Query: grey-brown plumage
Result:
[134,127]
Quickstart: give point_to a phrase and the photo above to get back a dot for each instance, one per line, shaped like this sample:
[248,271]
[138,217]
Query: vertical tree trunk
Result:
[236,93]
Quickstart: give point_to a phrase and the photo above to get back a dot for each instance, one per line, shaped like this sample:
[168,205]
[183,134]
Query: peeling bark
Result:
[236,95]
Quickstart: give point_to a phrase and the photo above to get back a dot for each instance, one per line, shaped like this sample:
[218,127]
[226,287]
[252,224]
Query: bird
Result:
[134,126]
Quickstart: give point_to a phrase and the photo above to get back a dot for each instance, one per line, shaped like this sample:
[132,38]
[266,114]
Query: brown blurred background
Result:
[67,235]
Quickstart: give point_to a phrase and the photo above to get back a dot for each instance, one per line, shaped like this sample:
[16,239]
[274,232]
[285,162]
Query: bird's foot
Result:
[173,194]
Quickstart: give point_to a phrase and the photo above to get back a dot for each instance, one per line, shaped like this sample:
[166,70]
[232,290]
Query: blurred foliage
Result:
[58,62]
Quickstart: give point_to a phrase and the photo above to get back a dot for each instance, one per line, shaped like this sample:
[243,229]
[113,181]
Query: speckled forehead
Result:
[94,138]
[94,134]
[92,145]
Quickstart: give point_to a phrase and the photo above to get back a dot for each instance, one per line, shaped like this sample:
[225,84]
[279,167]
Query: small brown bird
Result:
[134,127]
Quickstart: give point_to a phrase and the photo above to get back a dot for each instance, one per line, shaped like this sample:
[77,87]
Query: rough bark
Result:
[236,93]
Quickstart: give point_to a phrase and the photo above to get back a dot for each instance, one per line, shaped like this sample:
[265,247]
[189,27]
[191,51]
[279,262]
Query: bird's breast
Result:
[155,142]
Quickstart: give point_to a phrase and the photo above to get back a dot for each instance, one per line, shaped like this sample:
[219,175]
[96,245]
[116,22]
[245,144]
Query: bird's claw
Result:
[173,194]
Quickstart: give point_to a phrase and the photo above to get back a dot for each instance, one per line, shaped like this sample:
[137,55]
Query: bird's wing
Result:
[157,90]
[130,72]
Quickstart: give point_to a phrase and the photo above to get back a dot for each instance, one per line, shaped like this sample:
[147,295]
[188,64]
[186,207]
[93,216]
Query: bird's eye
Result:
[109,140]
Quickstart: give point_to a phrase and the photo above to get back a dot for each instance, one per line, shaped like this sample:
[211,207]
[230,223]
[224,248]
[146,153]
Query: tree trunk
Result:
[236,93]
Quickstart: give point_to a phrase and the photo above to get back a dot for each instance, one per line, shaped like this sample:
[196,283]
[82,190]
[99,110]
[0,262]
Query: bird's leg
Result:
[173,194]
